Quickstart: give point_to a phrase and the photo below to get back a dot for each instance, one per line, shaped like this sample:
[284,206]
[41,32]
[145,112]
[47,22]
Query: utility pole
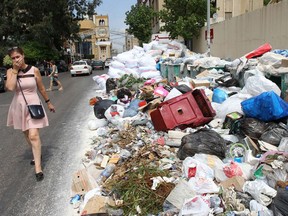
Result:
[208,28]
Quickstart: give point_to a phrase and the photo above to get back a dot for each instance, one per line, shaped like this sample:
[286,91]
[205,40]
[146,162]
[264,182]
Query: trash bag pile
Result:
[181,133]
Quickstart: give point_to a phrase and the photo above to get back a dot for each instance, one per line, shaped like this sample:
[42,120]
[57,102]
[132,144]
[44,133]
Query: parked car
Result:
[3,71]
[41,68]
[80,67]
[107,62]
[62,66]
[98,64]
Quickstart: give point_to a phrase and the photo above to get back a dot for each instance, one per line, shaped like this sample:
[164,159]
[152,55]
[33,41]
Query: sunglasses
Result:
[13,48]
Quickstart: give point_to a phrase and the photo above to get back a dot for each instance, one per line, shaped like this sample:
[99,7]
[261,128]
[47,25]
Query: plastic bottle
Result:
[106,173]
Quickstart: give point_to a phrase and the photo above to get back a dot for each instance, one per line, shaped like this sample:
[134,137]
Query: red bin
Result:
[191,109]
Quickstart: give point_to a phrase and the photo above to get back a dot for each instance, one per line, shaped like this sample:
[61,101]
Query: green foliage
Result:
[184,17]
[7,61]
[139,21]
[266,2]
[42,26]
[135,190]
[35,51]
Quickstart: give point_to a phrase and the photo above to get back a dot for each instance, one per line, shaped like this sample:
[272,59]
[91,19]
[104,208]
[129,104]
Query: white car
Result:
[80,67]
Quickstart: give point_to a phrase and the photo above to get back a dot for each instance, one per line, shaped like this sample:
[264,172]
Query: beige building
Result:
[95,36]
[103,44]
[130,41]
[233,8]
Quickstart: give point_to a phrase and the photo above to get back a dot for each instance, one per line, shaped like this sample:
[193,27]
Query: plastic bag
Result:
[232,170]
[202,141]
[260,191]
[252,127]
[219,95]
[94,124]
[110,84]
[259,51]
[101,106]
[274,135]
[194,168]
[279,205]
[267,106]
[195,206]
[258,84]
[203,185]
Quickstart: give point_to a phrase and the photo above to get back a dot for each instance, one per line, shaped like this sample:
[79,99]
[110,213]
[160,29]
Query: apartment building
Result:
[95,36]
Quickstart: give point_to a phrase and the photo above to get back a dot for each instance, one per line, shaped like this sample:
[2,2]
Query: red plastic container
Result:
[191,109]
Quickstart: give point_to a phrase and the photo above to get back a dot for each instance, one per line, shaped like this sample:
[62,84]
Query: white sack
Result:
[255,85]
[146,61]
[260,191]
[94,124]
[101,81]
[195,206]
[150,74]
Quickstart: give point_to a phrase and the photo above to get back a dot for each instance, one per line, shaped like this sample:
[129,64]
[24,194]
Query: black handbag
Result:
[36,110]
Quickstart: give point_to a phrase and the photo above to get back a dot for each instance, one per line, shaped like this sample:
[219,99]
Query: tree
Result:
[42,24]
[139,20]
[184,17]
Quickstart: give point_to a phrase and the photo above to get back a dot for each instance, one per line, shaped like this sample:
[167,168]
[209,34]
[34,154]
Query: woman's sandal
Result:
[39,176]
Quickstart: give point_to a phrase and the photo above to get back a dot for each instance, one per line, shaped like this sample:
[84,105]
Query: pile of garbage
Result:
[181,133]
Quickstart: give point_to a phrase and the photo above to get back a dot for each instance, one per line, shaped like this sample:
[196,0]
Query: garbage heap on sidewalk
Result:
[180,133]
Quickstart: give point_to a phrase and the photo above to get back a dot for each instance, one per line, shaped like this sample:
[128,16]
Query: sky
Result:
[116,10]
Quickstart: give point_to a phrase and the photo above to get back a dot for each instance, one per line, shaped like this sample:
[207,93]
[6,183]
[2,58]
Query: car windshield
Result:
[79,63]
[97,62]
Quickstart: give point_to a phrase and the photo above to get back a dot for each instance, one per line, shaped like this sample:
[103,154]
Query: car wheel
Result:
[72,75]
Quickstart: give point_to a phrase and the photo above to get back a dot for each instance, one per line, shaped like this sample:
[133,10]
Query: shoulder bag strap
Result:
[22,91]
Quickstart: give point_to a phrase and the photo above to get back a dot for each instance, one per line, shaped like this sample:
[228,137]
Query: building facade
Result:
[95,38]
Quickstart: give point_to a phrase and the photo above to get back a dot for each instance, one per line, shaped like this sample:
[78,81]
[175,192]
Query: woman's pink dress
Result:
[18,114]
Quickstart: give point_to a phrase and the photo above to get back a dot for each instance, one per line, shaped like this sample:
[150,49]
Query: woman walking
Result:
[25,80]
[54,77]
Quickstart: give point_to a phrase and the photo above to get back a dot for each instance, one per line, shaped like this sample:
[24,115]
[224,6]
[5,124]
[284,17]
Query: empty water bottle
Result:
[106,173]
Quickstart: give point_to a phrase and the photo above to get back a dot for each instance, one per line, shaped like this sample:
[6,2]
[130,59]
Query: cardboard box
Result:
[82,182]
[97,205]
[237,182]
[197,83]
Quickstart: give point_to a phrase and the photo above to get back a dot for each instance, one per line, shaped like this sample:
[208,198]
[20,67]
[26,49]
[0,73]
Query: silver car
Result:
[80,67]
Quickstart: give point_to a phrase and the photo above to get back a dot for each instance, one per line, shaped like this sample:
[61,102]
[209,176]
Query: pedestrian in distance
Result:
[25,80]
[54,77]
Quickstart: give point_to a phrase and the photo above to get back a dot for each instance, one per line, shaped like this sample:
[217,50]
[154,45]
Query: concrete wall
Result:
[239,35]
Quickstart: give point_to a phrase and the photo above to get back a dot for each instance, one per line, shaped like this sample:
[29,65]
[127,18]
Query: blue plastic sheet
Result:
[281,52]
[267,106]
[219,95]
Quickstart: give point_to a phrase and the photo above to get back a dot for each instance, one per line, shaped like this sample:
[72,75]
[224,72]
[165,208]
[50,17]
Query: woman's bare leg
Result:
[35,141]
[26,134]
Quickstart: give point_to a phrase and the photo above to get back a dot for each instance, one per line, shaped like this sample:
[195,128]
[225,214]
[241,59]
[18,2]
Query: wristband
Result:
[48,100]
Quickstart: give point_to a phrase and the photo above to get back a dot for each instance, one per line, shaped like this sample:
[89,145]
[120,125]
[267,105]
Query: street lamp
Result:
[208,28]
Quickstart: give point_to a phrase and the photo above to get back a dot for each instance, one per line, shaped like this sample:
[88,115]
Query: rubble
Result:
[180,133]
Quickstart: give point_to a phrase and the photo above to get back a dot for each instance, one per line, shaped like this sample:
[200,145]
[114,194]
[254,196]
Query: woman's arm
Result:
[11,81]
[53,71]
[42,90]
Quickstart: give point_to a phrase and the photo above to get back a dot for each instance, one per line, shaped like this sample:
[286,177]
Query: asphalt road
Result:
[64,143]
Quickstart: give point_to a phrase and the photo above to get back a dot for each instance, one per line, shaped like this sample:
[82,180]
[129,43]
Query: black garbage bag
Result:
[111,84]
[274,135]
[183,88]
[204,141]
[252,127]
[279,205]
[101,106]
[122,92]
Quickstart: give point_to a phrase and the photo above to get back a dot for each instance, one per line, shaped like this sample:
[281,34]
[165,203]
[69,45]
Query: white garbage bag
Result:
[260,191]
